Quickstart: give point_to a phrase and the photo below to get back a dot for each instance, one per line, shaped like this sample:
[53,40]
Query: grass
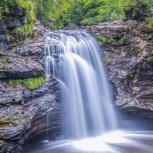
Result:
[30,83]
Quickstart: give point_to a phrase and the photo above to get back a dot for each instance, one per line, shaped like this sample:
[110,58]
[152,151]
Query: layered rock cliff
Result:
[26,112]
[128,54]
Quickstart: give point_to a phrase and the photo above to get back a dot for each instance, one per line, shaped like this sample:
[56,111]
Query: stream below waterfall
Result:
[135,136]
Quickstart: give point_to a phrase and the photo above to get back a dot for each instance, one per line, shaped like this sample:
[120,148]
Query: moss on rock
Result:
[31,83]
[18,18]
[102,39]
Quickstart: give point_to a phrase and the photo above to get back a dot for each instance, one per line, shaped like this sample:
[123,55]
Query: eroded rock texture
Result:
[14,66]
[128,53]
[26,114]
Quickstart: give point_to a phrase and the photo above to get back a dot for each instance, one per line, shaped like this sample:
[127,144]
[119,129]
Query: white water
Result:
[74,58]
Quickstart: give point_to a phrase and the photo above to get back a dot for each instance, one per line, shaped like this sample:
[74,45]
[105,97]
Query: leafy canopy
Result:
[59,14]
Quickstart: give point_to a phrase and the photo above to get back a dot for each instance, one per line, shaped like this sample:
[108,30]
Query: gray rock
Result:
[128,49]
[24,114]
[14,66]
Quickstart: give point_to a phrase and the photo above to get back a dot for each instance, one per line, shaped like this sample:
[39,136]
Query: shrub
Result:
[150,22]
[64,13]
[19,17]
[139,9]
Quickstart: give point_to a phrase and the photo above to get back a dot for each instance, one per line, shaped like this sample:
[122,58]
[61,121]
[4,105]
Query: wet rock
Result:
[32,49]
[6,147]
[24,114]
[112,28]
[11,97]
[18,67]
[2,38]
[127,48]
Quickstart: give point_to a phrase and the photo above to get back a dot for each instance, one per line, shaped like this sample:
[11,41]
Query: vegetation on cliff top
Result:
[141,10]
[19,15]
[71,13]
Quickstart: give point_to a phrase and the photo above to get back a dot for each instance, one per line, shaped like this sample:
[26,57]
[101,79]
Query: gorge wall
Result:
[128,55]
[24,111]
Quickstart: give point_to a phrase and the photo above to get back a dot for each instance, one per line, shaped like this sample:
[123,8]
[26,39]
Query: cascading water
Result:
[74,59]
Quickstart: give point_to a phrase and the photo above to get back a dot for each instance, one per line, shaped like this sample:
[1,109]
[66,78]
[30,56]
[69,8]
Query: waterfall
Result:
[74,59]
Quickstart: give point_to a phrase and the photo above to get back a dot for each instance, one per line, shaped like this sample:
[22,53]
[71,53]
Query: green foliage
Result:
[71,13]
[24,30]
[150,22]
[150,59]
[104,10]
[106,62]
[130,75]
[58,14]
[109,39]
[19,17]
[122,40]
[139,9]
[31,83]
[16,7]
[102,39]
[52,12]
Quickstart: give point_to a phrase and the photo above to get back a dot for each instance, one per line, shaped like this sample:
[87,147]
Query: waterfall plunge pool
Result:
[74,58]
[133,136]
[111,142]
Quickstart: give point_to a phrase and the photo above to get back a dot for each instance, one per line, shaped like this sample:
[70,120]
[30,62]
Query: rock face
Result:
[14,66]
[128,53]
[26,114]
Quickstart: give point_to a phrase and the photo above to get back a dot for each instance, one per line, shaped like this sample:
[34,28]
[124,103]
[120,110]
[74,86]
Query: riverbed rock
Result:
[127,48]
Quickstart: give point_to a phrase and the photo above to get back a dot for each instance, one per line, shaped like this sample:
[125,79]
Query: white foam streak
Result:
[111,142]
